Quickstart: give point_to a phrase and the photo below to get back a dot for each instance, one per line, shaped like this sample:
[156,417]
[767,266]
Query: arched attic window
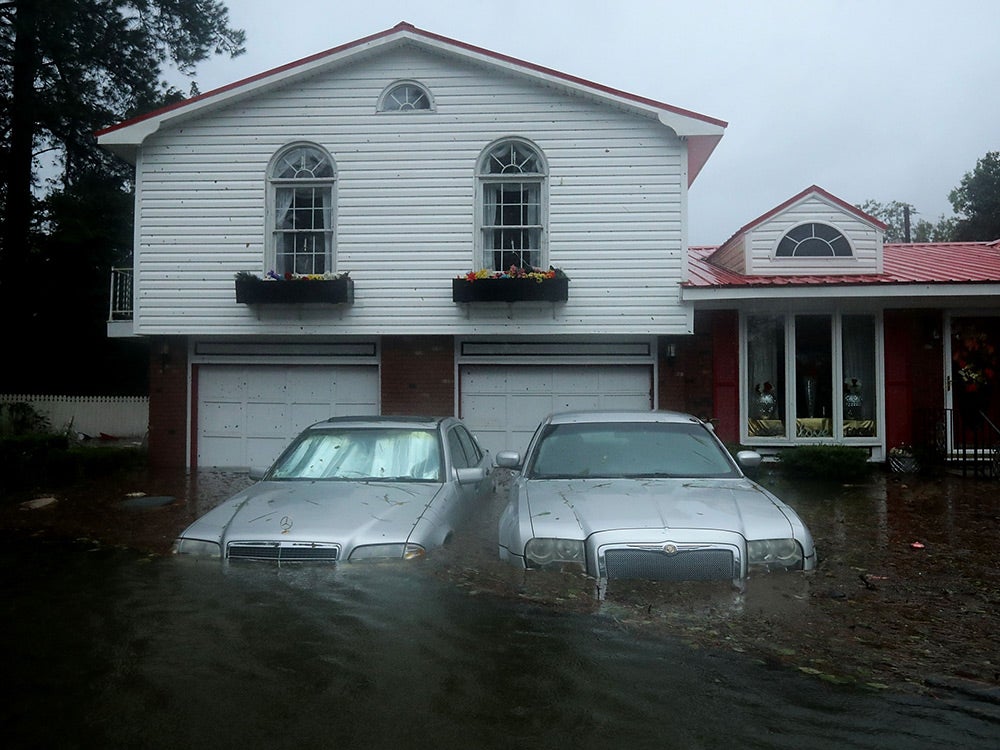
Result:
[814,240]
[405,96]
[301,181]
[512,217]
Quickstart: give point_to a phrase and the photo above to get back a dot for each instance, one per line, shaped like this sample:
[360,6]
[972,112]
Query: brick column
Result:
[168,402]
[418,375]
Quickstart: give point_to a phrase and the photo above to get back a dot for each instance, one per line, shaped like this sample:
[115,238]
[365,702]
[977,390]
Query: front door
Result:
[971,372]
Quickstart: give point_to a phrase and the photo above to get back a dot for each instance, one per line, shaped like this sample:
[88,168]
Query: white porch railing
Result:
[121,295]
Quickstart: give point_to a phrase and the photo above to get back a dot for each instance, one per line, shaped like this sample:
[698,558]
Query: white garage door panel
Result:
[504,404]
[248,413]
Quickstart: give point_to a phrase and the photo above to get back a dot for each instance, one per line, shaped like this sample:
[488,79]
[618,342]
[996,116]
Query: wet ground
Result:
[906,596]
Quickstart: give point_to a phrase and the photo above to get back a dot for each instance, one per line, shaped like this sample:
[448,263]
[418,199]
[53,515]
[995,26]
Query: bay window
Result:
[810,377]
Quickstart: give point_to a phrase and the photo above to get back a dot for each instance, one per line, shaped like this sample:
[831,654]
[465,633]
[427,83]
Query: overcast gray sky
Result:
[883,99]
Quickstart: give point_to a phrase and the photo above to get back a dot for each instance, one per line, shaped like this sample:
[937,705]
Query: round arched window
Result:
[814,240]
[404,97]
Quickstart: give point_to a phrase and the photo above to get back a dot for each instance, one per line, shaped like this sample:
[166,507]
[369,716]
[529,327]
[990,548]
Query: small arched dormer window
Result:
[406,96]
[301,181]
[512,216]
[814,240]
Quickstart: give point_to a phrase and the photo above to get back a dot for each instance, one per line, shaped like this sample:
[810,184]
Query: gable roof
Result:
[812,190]
[702,132]
[905,265]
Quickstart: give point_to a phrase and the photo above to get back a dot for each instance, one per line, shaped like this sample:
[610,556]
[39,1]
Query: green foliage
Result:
[976,200]
[69,68]
[893,215]
[45,462]
[825,462]
[20,418]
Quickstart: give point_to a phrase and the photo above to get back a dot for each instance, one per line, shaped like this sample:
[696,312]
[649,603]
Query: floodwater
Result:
[111,648]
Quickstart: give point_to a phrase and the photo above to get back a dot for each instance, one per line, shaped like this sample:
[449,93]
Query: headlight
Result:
[373,551]
[775,553]
[196,547]
[541,553]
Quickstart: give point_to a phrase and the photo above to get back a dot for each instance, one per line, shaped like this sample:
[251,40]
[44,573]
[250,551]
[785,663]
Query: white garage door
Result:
[248,413]
[504,404]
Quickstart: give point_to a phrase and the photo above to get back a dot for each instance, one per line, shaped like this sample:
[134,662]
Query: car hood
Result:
[579,507]
[364,512]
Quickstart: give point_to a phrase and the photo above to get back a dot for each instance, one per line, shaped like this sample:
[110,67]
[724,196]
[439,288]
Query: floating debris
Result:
[38,502]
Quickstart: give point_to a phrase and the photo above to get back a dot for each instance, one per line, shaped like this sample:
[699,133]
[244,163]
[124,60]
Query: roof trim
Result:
[124,138]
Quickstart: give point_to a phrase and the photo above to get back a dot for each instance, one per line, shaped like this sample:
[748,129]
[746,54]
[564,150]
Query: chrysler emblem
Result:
[669,548]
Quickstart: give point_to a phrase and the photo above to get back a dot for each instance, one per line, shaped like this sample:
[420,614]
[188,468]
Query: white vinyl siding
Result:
[763,241]
[405,207]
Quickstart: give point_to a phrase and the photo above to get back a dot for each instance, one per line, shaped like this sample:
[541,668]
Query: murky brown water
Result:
[112,647]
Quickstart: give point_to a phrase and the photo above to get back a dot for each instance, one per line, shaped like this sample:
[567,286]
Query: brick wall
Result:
[686,379]
[418,375]
[168,402]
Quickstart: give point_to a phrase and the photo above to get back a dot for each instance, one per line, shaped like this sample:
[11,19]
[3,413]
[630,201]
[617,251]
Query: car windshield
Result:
[397,454]
[632,450]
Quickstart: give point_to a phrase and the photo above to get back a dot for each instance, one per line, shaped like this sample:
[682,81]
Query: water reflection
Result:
[112,649]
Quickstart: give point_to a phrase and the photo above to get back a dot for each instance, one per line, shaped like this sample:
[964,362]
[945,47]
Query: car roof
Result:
[381,421]
[598,416]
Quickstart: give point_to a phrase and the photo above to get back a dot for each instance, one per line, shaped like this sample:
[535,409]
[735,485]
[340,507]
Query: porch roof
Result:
[930,263]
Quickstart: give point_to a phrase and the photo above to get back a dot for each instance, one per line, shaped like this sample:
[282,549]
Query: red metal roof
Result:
[916,263]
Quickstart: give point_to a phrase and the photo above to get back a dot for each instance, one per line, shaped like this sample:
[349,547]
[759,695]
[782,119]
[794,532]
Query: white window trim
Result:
[482,177]
[270,208]
[381,108]
[789,438]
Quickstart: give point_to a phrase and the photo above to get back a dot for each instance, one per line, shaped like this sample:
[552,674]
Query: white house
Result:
[408,161]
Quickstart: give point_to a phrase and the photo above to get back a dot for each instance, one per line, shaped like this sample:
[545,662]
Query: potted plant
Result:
[294,289]
[513,285]
[903,460]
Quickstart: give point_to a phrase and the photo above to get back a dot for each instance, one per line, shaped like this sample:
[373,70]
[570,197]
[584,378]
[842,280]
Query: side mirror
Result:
[257,474]
[749,460]
[473,475]
[508,460]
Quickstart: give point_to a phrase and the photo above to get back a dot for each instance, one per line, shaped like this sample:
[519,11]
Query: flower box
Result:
[296,291]
[528,288]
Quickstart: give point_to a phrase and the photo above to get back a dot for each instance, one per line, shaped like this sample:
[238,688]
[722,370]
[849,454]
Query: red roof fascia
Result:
[401,27]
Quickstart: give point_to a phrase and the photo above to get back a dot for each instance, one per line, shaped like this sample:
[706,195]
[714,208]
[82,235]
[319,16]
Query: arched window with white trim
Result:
[814,240]
[405,96]
[301,183]
[512,215]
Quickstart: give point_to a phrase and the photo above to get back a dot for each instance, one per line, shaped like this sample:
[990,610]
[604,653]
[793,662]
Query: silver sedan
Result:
[650,495]
[351,489]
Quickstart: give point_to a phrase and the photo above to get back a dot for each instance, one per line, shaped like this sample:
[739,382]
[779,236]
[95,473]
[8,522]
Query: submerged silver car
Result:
[351,489]
[644,495]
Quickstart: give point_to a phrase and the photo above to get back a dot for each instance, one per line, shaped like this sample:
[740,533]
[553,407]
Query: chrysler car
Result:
[644,495]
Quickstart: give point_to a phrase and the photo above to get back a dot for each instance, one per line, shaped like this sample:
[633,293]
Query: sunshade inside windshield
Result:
[358,454]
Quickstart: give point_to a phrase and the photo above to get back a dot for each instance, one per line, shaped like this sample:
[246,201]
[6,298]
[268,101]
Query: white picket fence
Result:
[92,416]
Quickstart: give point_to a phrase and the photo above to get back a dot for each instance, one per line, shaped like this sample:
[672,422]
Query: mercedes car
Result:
[350,489]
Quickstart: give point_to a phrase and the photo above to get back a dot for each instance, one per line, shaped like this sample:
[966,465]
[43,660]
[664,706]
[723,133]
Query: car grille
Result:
[283,551]
[685,565]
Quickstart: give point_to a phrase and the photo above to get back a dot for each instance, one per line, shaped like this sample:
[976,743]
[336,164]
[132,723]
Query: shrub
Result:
[825,462]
